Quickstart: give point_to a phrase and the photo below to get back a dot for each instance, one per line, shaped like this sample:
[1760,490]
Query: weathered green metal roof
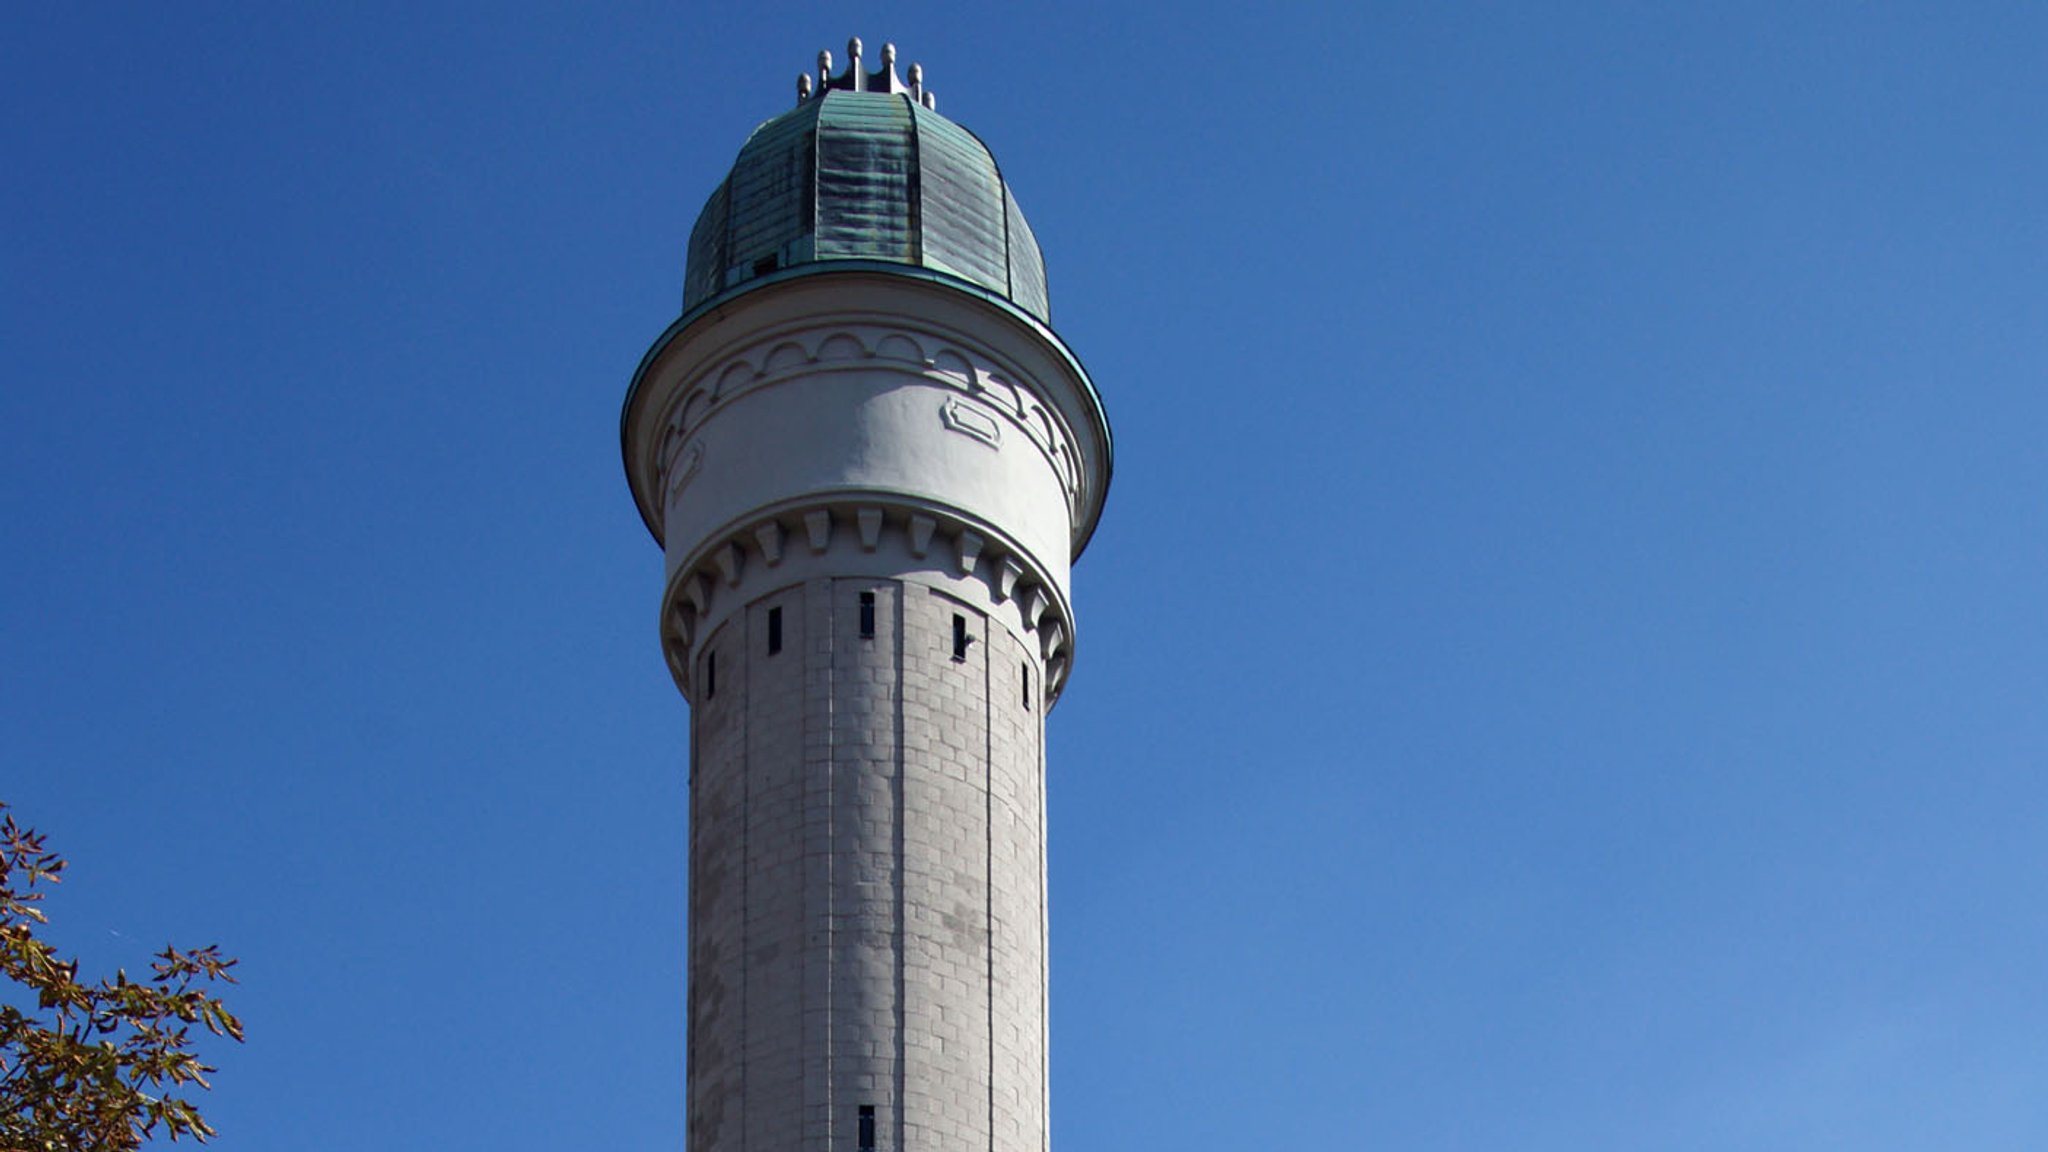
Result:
[865,175]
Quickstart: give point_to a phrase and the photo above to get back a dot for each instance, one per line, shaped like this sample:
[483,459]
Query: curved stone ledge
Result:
[857,534]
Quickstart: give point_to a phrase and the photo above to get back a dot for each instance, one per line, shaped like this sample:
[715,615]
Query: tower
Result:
[870,464]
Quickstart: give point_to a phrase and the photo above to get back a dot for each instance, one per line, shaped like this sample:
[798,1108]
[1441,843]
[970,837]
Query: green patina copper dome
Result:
[865,175]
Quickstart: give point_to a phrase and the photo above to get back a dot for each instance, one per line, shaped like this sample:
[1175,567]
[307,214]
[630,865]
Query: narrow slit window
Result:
[959,636]
[710,675]
[1024,683]
[774,630]
[867,1128]
[867,615]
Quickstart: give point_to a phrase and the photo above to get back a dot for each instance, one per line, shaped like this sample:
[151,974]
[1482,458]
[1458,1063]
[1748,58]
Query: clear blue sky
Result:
[1564,665]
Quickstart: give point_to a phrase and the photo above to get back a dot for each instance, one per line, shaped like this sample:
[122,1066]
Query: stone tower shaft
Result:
[869,476]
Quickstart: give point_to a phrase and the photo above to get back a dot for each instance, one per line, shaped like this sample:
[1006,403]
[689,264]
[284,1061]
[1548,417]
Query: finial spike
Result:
[855,78]
[931,102]
[803,87]
[885,80]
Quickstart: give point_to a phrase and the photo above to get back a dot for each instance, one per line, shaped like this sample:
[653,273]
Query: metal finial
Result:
[885,80]
[858,79]
[803,87]
[931,102]
[917,83]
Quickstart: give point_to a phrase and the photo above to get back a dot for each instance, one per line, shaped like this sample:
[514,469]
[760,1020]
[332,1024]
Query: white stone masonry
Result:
[869,488]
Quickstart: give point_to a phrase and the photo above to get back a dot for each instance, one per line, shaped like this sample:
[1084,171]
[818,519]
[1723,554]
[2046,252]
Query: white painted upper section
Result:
[830,386]
[873,429]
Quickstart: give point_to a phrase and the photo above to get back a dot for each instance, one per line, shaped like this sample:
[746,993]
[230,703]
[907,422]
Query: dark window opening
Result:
[959,637]
[1024,682]
[867,615]
[774,631]
[710,675]
[764,265]
[867,1128]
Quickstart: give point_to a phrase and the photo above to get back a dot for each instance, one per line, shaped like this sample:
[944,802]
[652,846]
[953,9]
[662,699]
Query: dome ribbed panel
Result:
[1027,265]
[864,176]
[961,199]
[865,168]
[770,200]
[705,272]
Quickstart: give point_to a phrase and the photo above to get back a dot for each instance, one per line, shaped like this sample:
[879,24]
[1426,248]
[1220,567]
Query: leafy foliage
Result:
[95,1066]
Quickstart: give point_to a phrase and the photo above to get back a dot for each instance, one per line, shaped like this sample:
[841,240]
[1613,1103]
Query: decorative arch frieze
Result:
[938,360]
[733,567]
